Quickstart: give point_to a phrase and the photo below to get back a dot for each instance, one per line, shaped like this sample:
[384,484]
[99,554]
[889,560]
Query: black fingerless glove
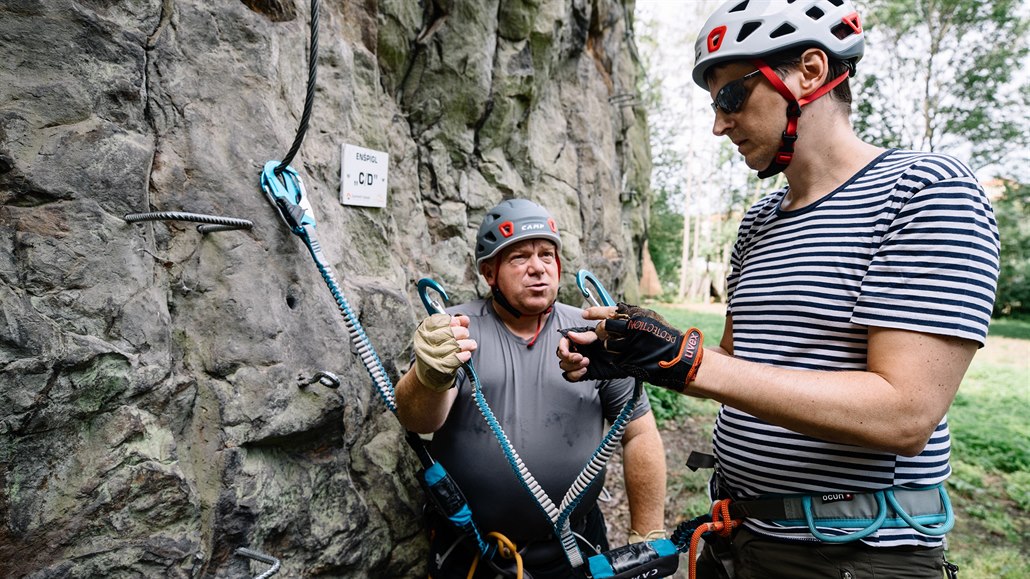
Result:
[643,345]
[601,366]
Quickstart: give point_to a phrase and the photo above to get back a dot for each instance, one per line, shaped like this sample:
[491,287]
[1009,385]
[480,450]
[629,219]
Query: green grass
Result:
[990,428]
[1018,328]
[990,457]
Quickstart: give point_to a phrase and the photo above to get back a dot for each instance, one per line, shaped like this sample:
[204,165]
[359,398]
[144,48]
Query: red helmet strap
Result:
[790,133]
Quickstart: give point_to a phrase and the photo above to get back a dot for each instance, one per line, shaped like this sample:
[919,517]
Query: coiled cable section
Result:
[209,223]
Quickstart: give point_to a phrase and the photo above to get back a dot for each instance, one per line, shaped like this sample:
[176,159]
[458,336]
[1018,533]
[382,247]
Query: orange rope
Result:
[505,548]
[721,524]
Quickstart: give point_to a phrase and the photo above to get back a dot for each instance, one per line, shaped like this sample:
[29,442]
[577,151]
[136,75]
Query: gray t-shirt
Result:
[554,425]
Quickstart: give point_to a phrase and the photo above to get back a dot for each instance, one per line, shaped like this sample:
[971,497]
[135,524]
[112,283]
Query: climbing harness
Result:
[866,512]
[657,558]
[926,510]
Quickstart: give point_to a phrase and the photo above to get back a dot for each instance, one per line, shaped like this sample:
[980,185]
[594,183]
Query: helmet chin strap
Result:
[790,134]
[503,301]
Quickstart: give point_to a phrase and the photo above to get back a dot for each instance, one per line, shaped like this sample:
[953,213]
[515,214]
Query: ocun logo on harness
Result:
[652,328]
[837,497]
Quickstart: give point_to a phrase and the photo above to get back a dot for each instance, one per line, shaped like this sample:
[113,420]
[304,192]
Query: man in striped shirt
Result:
[858,295]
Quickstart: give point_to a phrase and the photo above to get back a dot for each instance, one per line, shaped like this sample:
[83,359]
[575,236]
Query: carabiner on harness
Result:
[582,278]
[941,514]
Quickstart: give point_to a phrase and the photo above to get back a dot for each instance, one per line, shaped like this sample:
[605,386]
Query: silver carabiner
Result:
[433,306]
[582,278]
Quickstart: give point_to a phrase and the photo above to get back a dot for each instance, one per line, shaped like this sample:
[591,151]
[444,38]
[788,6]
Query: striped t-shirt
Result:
[910,242]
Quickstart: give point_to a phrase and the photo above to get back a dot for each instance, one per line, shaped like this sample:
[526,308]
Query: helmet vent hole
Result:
[490,237]
[842,31]
[783,30]
[747,29]
[740,7]
[815,13]
[837,3]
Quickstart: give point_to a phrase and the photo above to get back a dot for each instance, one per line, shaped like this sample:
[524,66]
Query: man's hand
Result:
[631,341]
[442,344]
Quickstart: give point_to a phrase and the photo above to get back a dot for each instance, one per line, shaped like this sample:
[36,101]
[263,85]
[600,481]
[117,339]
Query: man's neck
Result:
[525,326]
[824,162]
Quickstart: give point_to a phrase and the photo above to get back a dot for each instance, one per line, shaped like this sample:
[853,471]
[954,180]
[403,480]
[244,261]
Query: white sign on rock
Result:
[363,176]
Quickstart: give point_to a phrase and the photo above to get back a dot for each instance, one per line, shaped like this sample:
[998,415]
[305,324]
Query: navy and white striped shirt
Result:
[910,242]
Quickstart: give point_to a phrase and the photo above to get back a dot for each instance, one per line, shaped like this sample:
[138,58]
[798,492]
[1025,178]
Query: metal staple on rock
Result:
[210,223]
[245,552]
[323,377]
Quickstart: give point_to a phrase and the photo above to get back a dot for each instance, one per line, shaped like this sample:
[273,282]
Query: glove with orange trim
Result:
[639,342]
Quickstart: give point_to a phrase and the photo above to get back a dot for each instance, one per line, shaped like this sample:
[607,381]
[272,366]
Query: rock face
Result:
[151,421]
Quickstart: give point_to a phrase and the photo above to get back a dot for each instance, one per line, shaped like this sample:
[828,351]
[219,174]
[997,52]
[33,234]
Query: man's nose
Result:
[721,124]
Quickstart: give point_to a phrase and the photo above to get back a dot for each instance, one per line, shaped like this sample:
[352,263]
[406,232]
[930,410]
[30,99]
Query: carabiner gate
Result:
[585,276]
[433,306]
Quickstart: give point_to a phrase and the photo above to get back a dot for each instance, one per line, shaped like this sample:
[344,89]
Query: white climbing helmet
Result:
[748,29]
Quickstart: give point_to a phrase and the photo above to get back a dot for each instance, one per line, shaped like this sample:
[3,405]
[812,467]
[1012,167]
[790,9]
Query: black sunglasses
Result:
[731,97]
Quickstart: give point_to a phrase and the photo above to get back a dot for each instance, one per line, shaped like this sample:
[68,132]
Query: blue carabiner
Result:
[944,525]
[432,306]
[285,191]
[881,503]
[585,276]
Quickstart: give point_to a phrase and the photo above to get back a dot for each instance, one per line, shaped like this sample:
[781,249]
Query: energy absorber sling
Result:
[659,557]
[286,193]
[284,190]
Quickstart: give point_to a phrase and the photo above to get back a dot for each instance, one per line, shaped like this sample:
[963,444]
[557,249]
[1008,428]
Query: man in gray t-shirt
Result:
[554,425]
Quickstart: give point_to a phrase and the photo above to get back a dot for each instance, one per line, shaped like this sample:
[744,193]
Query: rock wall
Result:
[151,421]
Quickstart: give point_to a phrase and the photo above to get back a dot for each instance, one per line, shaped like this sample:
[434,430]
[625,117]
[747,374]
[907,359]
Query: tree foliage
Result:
[948,76]
[938,75]
[1013,213]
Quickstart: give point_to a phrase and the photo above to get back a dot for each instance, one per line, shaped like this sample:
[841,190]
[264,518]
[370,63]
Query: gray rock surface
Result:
[151,421]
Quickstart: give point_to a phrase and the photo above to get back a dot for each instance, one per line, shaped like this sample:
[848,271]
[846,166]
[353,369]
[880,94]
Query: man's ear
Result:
[489,272]
[815,70]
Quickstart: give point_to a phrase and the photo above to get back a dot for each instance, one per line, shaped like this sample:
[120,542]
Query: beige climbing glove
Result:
[436,360]
[635,537]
